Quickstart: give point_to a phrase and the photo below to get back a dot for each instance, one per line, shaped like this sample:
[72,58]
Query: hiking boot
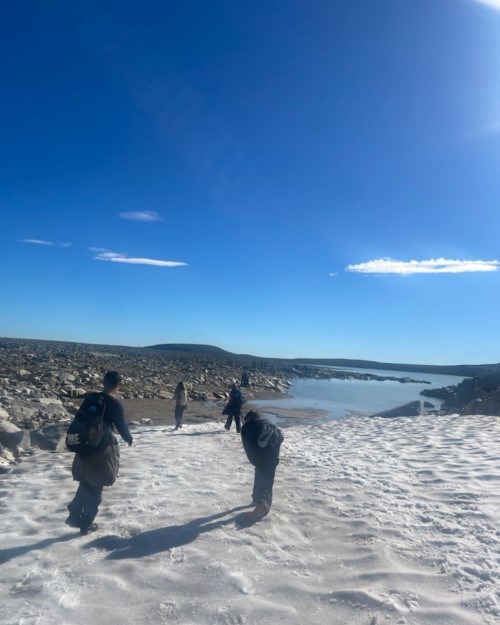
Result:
[260,511]
[228,427]
[73,520]
[88,529]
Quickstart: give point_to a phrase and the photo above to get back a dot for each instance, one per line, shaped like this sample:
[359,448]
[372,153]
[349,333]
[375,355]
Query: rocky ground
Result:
[42,384]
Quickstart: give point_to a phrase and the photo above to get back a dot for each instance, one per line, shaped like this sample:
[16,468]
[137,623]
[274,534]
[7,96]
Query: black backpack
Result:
[87,429]
[271,437]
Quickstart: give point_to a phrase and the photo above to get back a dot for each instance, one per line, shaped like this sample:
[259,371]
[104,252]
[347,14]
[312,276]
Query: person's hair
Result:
[112,379]
[180,386]
[251,414]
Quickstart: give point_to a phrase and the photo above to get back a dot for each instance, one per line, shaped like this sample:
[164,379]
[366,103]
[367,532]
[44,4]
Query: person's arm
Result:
[118,420]
[250,439]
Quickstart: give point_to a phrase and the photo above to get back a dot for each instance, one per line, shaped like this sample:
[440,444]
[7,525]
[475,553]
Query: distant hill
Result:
[202,351]
[191,348]
[460,370]
[210,351]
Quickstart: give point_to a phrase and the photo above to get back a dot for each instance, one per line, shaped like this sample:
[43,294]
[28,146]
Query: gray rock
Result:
[164,395]
[67,377]
[412,409]
[7,455]
[49,402]
[49,436]
[12,437]
[5,466]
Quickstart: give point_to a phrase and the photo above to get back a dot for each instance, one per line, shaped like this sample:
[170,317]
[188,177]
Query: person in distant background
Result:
[245,379]
[181,400]
[262,441]
[101,468]
[233,408]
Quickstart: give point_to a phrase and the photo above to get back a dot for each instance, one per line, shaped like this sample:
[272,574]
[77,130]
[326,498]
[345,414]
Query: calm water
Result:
[341,397]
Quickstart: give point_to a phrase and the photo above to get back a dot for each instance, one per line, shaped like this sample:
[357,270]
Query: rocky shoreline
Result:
[42,384]
[477,395]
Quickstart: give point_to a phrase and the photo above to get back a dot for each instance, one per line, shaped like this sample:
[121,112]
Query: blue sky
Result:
[281,178]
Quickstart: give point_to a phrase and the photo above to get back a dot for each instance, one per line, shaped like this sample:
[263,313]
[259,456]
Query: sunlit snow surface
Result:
[374,522]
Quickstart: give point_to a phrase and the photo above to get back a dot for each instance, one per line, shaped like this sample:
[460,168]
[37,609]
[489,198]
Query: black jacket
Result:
[233,406]
[114,420]
[261,440]
[101,467]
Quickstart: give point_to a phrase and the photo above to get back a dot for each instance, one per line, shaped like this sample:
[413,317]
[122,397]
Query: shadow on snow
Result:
[15,552]
[163,538]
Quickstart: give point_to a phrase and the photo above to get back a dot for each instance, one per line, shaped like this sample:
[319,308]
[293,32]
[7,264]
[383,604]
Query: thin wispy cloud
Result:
[141,216]
[384,266]
[115,257]
[49,243]
[37,242]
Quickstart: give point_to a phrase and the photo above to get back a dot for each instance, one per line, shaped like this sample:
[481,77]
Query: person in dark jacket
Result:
[101,467]
[233,408]
[262,441]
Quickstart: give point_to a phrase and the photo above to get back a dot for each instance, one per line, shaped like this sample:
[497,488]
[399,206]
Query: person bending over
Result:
[262,441]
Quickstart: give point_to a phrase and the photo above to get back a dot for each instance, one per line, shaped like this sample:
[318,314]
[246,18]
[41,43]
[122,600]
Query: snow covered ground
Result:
[375,522]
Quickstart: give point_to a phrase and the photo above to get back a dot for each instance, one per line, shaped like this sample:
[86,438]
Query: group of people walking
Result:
[98,465]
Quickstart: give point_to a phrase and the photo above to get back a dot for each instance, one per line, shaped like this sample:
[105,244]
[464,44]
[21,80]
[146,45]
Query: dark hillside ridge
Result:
[203,351]
[460,370]
[209,351]
[192,349]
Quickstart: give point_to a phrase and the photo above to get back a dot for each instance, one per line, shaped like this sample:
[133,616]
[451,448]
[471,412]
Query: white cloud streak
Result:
[37,242]
[114,257]
[384,266]
[50,243]
[146,216]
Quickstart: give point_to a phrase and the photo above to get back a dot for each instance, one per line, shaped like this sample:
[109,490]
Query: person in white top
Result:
[181,400]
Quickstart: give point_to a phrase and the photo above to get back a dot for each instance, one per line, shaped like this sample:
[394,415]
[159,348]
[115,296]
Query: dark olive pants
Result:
[86,503]
[263,484]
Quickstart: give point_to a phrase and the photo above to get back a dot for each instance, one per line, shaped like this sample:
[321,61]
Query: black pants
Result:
[263,484]
[86,503]
[179,412]
[237,421]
